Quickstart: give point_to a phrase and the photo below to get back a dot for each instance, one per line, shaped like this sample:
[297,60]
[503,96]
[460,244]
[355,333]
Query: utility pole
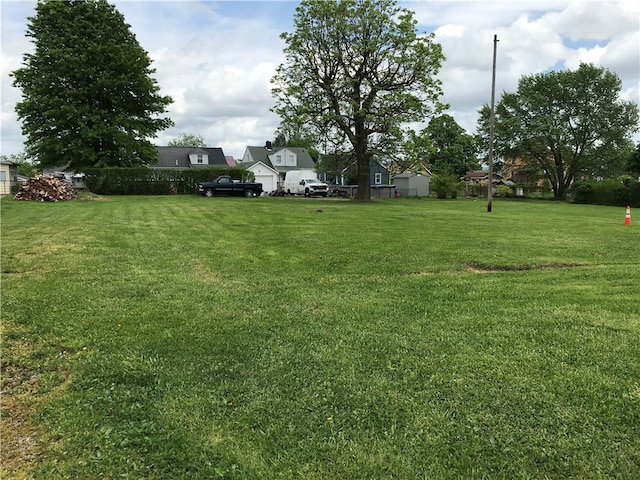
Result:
[492,124]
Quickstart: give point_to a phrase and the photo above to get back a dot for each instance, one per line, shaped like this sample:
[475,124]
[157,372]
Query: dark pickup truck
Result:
[225,185]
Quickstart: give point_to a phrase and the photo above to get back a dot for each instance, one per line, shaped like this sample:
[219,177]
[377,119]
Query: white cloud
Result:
[449,30]
[594,20]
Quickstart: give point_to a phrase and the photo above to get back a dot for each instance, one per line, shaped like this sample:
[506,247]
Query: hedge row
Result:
[149,181]
[609,192]
[528,190]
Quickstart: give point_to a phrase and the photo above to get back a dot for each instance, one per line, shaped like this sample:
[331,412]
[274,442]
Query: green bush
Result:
[615,192]
[149,181]
[445,185]
[504,191]
[581,192]
[634,194]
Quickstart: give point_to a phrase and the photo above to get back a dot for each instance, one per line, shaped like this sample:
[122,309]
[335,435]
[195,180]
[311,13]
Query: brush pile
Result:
[46,188]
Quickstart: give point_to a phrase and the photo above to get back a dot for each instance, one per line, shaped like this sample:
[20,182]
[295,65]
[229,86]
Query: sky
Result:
[216,58]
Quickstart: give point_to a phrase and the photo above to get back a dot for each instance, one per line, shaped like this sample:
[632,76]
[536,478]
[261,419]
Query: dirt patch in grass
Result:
[479,267]
[21,394]
[20,447]
[85,196]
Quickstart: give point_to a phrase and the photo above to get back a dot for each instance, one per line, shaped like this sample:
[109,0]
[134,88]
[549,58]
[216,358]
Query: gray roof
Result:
[261,154]
[178,157]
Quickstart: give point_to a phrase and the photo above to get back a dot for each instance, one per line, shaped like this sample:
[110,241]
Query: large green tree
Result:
[356,70]
[568,123]
[454,150]
[88,98]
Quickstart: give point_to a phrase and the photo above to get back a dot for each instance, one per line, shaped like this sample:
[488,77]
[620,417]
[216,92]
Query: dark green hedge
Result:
[618,193]
[528,190]
[149,181]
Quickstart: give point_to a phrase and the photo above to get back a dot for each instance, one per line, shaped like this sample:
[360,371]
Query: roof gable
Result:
[475,175]
[179,157]
[255,166]
[303,159]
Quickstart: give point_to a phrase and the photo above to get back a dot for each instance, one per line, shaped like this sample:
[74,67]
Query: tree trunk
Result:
[362,158]
[563,189]
[364,181]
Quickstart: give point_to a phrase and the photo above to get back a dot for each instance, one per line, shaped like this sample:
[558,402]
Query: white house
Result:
[270,164]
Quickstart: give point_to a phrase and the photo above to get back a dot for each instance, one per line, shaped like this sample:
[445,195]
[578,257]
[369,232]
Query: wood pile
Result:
[46,188]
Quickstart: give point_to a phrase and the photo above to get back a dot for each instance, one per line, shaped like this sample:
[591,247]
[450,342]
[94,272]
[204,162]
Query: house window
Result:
[3,176]
[199,158]
[378,178]
[278,159]
[291,160]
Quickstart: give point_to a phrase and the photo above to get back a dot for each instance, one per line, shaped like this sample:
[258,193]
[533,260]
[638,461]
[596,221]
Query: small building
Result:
[476,177]
[412,184]
[8,177]
[265,175]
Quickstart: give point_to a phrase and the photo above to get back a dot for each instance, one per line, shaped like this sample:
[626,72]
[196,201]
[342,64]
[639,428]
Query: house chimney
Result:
[267,145]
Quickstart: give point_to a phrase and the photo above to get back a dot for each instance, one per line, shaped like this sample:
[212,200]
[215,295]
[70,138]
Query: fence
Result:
[377,191]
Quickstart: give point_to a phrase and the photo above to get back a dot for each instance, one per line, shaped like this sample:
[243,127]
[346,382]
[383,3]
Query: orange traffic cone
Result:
[627,217]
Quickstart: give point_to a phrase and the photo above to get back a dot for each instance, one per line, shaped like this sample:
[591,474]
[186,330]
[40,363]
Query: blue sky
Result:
[215,58]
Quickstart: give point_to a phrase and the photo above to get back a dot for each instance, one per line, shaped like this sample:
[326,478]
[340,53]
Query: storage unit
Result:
[412,185]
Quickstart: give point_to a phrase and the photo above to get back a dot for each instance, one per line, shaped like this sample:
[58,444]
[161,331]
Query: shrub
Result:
[581,192]
[149,181]
[504,191]
[445,185]
[616,192]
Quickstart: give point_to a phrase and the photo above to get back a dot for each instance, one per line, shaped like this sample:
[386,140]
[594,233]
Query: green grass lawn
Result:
[183,337]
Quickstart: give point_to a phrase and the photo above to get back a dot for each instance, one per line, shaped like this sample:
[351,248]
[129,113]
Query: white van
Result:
[301,182]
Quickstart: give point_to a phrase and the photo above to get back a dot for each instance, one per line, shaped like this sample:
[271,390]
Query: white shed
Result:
[8,174]
[412,185]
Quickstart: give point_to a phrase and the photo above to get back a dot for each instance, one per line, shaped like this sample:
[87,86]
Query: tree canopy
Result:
[188,140]
[454,151]
[88,98]
[413,154]
[567,123]
[355,71]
